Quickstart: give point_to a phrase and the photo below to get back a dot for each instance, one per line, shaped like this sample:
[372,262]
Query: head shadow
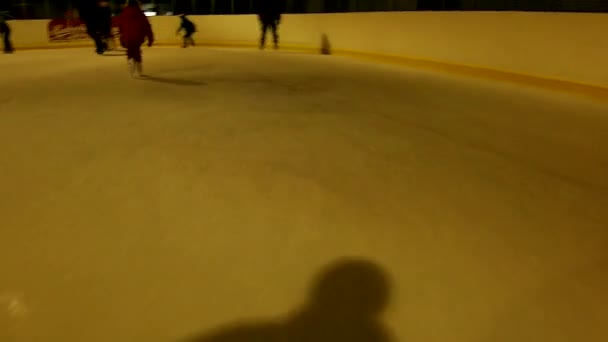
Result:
[344,304]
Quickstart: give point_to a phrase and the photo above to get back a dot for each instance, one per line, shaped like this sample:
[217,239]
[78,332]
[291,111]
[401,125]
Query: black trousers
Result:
[188,40]
[269,25]
[8,46]
[95,34]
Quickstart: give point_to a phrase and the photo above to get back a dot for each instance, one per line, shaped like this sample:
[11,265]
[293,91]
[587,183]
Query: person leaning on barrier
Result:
[5,32]
[269,15]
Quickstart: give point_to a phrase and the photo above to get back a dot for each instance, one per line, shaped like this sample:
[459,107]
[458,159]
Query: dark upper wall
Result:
[39,9]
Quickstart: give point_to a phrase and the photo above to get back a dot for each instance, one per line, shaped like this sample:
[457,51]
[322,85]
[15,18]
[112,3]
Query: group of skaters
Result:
[135,29]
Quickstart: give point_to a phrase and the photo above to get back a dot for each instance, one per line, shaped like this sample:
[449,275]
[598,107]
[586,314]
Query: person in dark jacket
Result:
[189,28]
[104,12]
[89,13]
[134,30]
[5,32]
[269,15]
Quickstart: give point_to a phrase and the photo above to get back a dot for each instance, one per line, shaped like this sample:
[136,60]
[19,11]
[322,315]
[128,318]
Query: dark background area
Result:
[44,9]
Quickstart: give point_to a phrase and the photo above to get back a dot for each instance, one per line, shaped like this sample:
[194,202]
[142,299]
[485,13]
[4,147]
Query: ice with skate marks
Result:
[13,312]
[13,304]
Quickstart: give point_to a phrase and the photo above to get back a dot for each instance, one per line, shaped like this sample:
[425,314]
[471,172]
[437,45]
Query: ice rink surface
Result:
[202,203]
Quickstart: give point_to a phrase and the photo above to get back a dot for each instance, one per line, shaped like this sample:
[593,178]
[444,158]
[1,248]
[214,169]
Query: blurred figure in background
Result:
[269,14]
[134,30]
[189,28]
[89,13]
[5,32]
[104,12]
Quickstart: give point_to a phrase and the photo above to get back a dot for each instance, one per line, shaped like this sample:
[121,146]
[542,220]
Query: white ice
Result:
[213,192]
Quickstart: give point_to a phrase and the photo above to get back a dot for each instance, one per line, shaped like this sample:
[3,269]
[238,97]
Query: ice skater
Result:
[189,29]
[5,32]
[269,15]
[134,30]
[89,11]
[104,13]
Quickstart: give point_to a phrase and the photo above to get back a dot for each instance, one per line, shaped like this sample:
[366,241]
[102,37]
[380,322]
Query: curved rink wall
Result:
[566,51]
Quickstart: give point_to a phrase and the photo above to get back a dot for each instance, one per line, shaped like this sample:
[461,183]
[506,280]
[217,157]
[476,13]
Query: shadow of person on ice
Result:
[344,305]
[173,81]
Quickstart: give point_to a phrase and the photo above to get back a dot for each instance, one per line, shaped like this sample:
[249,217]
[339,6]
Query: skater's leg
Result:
[96,36]
[275,33]
[130,52]
[130,60]
[188,39]
[134,58]
[134,52]
[265,26]
[8,46]
[138,61]
[110,42]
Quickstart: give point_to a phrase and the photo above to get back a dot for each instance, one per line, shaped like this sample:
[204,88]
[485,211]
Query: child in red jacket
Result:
[134,29]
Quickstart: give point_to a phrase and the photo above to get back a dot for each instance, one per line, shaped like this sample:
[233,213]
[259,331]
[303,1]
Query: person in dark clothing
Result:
[269,15]
[189,28]
[5,32]
[104,13]
[89,13]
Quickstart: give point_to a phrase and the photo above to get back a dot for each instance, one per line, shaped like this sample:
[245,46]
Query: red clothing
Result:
[134,27]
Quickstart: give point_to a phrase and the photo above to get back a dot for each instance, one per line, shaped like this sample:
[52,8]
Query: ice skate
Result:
[139,69]
[132,68]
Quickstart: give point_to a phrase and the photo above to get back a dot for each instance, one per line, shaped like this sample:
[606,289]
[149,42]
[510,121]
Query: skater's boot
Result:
[276,42]
[139,69]
[132,68]
[192,42]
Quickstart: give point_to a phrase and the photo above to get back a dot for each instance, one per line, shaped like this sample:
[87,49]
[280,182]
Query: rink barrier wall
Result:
[564,51]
